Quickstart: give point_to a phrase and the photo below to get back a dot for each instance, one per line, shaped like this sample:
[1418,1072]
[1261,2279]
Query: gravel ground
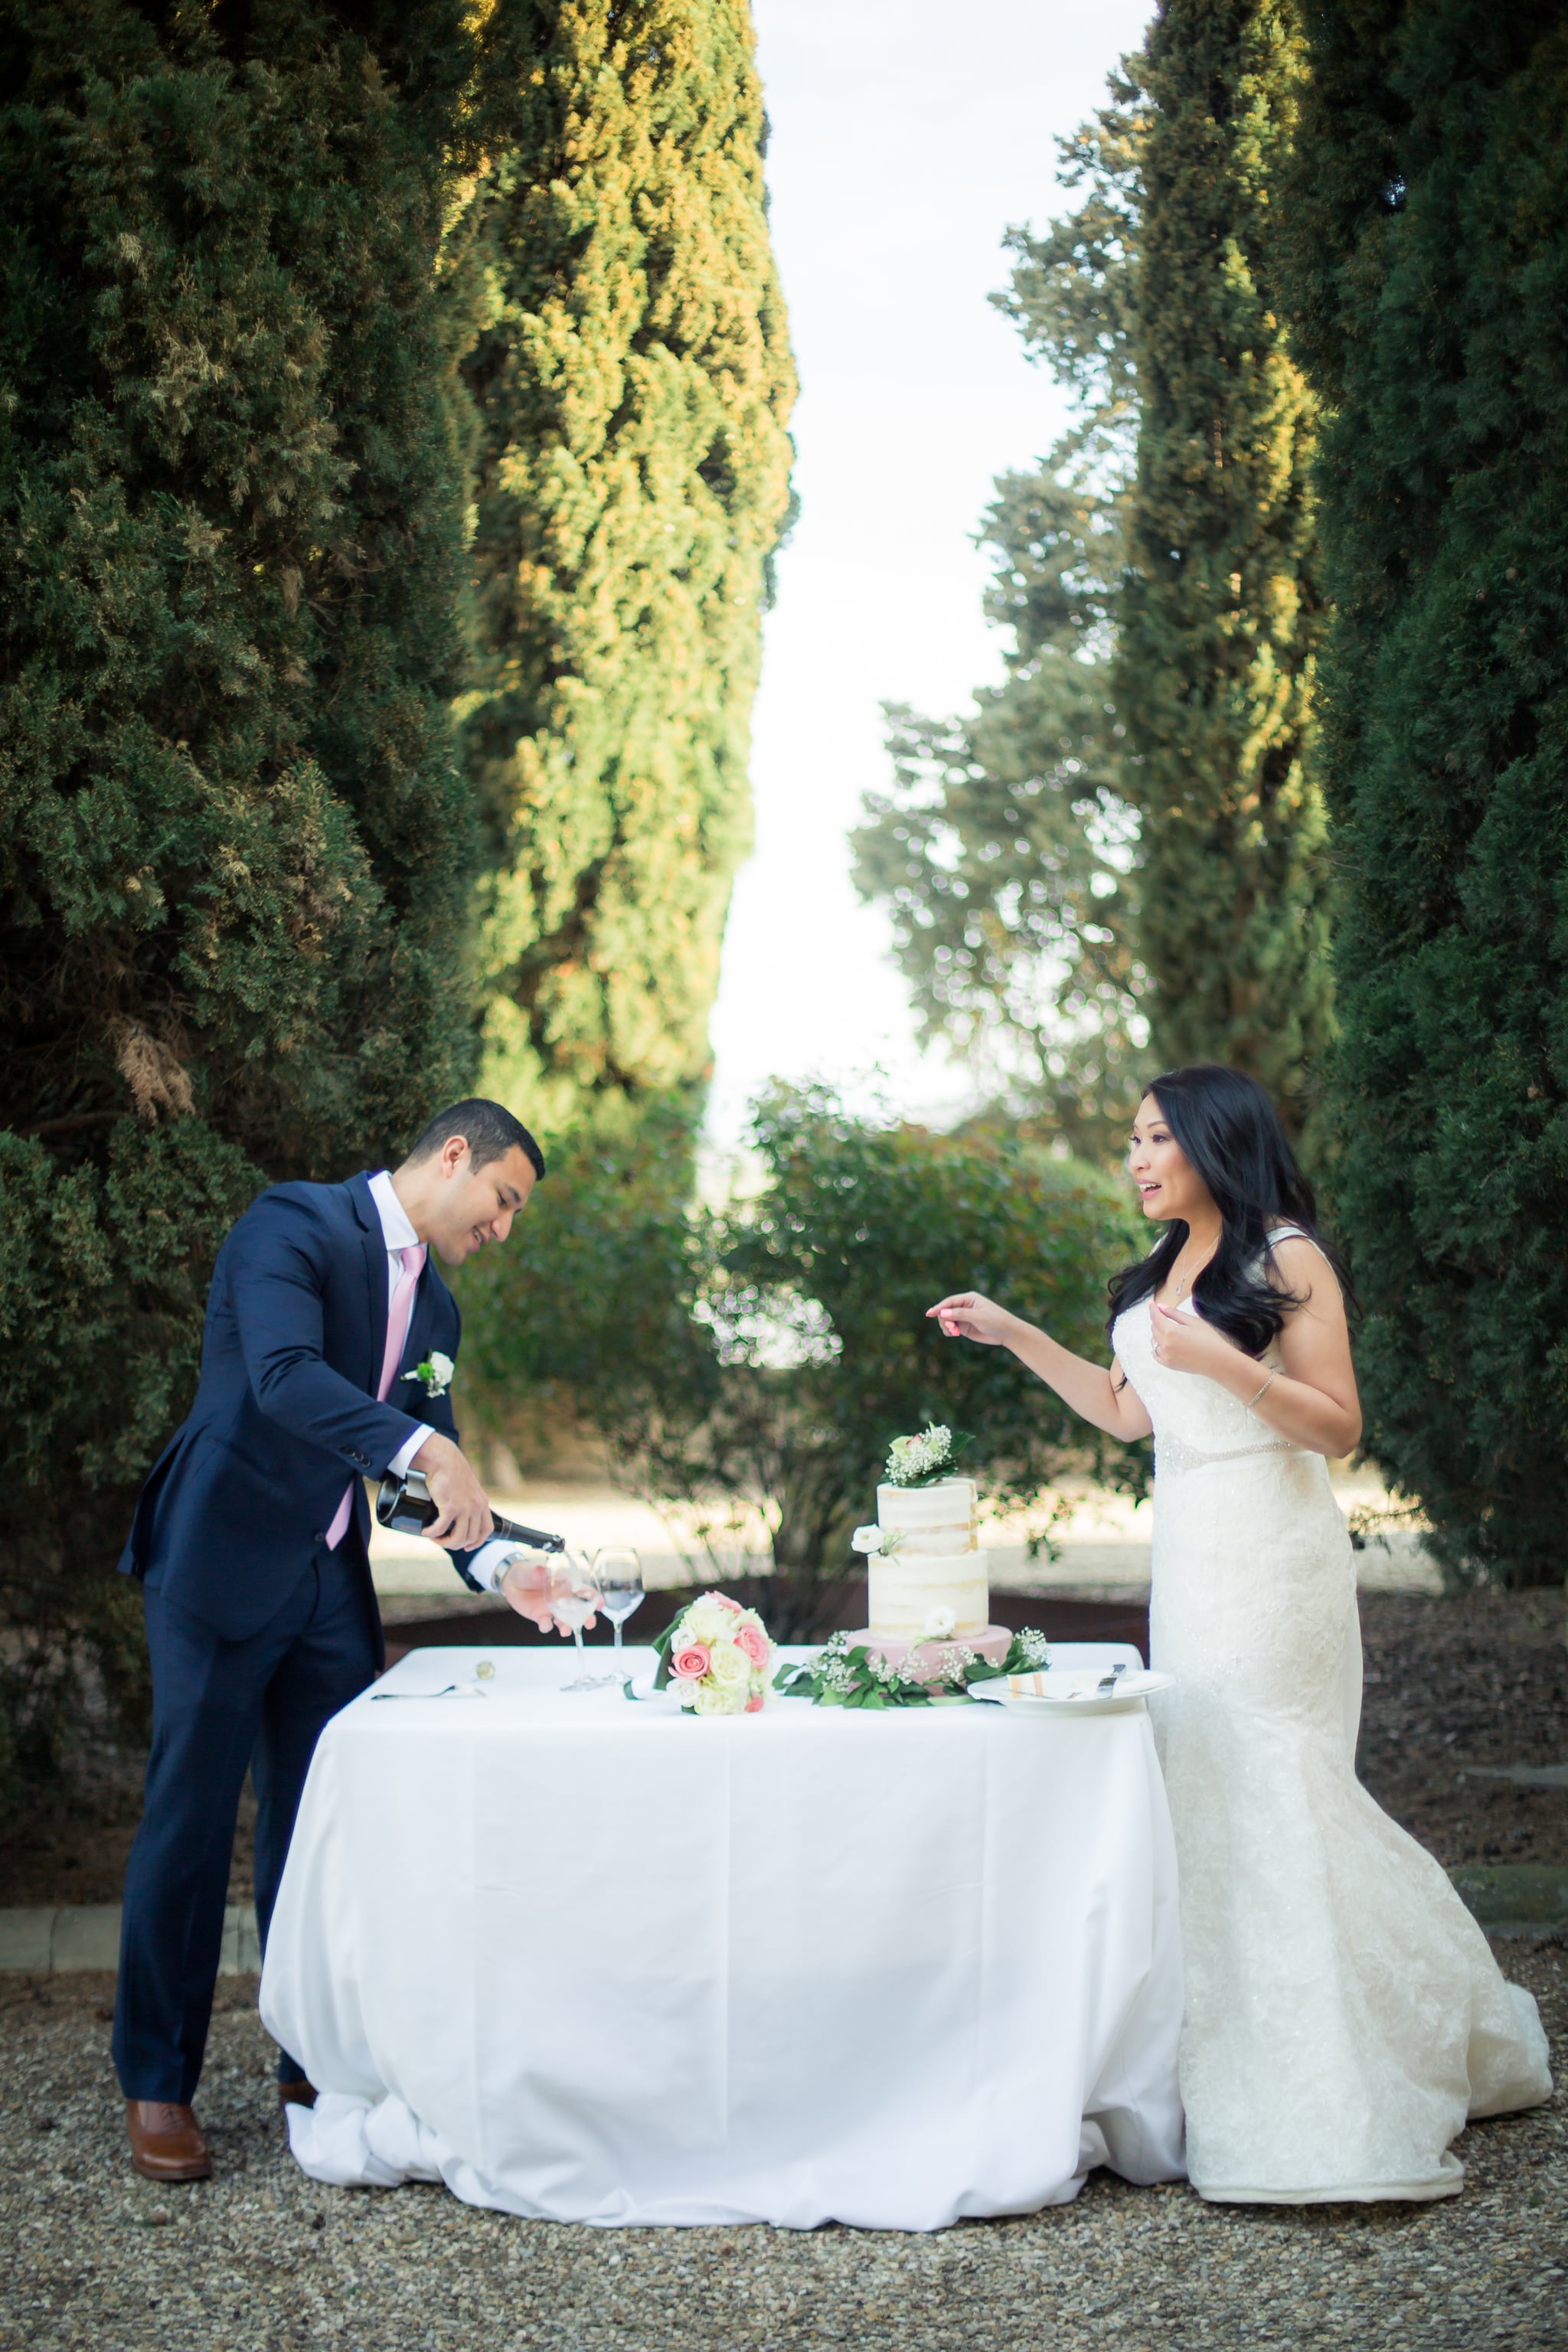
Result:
[1481,1678]
[262,2259]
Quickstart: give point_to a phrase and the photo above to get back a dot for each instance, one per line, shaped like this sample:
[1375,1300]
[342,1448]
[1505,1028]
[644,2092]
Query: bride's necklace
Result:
[1183,1280]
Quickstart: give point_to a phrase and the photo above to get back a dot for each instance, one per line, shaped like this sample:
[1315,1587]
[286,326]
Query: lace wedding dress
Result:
[1343,2012]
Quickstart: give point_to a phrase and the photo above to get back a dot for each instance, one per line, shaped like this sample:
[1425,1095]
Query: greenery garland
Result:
[848,1672]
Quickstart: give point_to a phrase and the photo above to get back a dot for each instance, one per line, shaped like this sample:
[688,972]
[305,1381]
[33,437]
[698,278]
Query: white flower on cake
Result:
[875,1542]
[938,1625]
[910,1458]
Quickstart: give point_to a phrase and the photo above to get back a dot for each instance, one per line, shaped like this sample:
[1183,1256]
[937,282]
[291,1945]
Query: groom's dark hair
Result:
[489,1130]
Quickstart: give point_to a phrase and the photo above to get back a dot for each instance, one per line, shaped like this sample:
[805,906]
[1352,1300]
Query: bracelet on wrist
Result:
[1263,1391]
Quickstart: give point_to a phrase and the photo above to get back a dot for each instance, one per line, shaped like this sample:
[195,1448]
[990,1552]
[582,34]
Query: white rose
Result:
[938,1625]
[865,1539]
[711,1700]
[443,1367]
[728,1668]
[706,1622]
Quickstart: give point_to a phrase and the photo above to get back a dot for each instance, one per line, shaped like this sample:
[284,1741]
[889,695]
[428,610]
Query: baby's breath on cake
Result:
[930,1454]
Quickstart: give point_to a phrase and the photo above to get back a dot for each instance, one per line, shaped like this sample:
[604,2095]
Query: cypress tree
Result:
[1430,285]
[235,855]
[1220,612]
[633,386]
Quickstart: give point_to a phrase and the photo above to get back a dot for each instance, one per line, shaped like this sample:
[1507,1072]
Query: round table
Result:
[594,1960]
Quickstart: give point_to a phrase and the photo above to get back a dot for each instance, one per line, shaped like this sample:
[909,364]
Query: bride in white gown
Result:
[1345,2015]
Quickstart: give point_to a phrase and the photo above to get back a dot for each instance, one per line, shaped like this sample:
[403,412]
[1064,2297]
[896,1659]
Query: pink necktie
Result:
[398,1316]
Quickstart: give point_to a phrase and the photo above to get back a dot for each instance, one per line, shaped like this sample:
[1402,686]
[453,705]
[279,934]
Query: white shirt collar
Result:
[396,1229]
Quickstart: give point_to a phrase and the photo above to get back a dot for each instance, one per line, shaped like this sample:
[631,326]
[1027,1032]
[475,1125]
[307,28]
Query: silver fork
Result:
[449,1690]
[1109,1681]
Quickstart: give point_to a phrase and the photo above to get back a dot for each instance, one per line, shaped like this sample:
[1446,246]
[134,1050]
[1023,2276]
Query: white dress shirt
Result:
[398,1235]
[489,1560]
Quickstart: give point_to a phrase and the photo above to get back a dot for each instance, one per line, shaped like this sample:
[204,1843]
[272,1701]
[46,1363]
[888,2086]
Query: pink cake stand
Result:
[992,1645]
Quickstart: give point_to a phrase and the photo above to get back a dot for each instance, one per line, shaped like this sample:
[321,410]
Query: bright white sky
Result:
[905,140]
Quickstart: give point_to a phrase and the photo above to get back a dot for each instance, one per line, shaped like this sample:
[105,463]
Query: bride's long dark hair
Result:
[1230,1132]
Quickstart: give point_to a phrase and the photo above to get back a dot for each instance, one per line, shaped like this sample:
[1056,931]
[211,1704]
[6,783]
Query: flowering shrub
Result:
[716,1657]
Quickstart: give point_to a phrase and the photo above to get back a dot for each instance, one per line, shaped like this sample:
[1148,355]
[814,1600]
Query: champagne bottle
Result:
[404,1505]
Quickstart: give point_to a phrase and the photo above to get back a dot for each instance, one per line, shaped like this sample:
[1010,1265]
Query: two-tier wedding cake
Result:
[926,1572]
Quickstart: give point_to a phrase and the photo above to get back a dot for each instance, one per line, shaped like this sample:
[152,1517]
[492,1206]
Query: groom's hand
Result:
[464,1507]
[524,1585]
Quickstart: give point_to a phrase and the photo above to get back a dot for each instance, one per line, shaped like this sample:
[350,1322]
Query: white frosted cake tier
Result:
[936,1562]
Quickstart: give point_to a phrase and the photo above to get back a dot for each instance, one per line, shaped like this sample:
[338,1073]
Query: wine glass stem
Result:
[577,1637]
[617,1633]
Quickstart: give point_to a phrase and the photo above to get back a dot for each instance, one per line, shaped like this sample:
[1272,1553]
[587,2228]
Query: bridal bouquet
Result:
[716,1658]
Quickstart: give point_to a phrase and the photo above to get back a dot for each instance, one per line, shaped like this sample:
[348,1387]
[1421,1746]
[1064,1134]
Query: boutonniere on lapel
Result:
[434,1372]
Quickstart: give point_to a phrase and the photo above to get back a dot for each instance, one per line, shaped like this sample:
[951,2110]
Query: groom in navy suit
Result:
[328,1345]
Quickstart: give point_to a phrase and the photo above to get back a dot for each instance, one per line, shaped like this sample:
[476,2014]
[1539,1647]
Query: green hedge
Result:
[1431,290]
[236,851]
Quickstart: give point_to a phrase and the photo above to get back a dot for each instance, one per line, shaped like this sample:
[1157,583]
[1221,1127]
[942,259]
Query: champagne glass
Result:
[618,1574]
[574,1596]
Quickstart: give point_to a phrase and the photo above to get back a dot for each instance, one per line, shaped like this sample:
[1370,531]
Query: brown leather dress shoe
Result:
[166,2141]
[297,2095]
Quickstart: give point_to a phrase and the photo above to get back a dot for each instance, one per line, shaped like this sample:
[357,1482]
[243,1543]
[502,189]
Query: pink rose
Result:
[723,1600]
[755,1705]
[690,1664]
[753,1643]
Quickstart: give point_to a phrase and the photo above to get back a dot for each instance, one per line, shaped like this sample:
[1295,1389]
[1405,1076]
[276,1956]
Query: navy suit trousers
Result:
[217,1706]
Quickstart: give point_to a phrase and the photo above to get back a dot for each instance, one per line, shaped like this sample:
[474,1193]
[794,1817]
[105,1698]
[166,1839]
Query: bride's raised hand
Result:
[967,1316]
[1186,1343]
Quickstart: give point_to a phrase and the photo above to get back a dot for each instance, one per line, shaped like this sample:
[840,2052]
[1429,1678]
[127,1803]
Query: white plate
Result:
[1073,1690]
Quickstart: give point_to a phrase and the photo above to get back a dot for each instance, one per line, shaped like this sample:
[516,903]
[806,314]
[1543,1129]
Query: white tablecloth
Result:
[593,1961]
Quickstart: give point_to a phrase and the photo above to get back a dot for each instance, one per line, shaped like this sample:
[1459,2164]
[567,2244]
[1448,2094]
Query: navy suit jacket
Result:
[286,1412]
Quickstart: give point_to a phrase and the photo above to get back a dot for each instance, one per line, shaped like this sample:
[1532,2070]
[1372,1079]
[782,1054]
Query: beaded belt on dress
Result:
[1173,1455]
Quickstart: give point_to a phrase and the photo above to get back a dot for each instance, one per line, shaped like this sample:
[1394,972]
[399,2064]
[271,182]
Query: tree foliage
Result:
[1004,852]
[1220,615]
[1430,285]
[359,365]
[236,851]
[633,382]
[765,1354]
[1125,836]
